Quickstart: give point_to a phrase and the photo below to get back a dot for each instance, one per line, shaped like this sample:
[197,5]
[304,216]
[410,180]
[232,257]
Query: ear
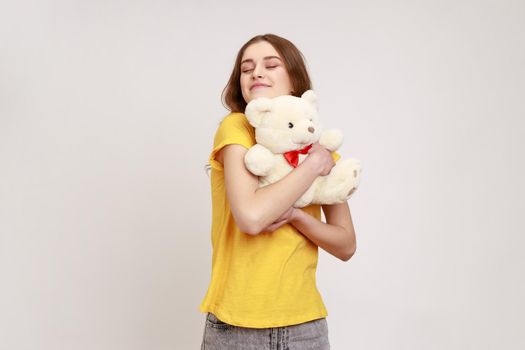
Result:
[257,109]
[310,96]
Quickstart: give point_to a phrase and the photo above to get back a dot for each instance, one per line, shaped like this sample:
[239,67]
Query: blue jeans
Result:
[311,335]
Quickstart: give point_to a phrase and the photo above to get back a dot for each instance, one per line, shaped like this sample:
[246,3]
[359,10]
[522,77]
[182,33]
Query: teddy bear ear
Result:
[257,109]
[310,96]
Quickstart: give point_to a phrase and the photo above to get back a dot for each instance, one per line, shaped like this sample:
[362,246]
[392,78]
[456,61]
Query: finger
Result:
[271,228]
[276,225]
[279,223]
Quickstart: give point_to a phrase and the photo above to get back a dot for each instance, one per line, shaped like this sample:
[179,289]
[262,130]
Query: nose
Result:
[311,129]
[257,72]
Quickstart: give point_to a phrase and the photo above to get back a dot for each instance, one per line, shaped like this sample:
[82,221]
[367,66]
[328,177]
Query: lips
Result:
[258,85]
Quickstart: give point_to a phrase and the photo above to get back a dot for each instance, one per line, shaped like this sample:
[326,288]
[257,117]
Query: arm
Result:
[337,236]
[255,208]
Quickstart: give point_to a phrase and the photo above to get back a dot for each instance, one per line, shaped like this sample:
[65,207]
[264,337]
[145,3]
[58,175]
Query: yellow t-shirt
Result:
[267,280]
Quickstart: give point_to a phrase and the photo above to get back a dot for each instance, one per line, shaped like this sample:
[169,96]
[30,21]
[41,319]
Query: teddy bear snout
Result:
[311,129]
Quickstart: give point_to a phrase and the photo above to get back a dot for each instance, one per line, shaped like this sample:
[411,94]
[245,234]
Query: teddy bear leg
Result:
[306,198]
[341,183]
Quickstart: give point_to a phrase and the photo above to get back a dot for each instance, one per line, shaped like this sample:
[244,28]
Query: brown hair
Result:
[293,62]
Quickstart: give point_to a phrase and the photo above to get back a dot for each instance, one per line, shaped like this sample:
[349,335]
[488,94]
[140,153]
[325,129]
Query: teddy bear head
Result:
[285,123]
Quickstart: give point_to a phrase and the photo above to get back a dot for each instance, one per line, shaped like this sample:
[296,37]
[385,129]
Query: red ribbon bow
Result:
[293,156]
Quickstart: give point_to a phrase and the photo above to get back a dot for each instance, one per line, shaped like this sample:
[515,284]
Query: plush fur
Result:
[288,123]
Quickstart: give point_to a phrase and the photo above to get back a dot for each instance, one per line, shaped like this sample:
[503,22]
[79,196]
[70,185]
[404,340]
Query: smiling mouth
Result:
[258,86]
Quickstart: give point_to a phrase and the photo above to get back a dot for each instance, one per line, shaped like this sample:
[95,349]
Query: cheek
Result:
[245,89]
[284,82]
[243,83]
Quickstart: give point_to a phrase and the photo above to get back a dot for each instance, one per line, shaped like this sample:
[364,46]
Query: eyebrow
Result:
[265,58]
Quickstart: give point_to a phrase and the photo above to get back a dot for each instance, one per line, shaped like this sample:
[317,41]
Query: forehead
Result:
[259,51]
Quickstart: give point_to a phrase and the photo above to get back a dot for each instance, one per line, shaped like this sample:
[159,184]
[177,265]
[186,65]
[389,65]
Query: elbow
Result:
[251,230]
[248,224]
[347,254]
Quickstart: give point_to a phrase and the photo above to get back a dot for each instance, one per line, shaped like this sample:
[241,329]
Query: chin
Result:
[262,93]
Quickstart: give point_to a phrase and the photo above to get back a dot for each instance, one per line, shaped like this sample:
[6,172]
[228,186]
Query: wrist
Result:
[311,162]
[296,215]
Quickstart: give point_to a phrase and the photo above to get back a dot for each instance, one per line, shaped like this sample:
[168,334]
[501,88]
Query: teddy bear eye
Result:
[290,125]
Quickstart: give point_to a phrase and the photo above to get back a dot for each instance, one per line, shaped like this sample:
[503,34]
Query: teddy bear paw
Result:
[331,139]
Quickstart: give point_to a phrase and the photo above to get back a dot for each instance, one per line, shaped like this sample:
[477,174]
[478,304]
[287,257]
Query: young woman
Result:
[263,292]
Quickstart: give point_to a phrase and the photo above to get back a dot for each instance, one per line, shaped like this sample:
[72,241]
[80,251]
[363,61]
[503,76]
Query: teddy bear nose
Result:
[311,129]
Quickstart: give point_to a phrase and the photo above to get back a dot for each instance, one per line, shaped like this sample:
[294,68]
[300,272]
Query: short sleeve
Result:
[233,129]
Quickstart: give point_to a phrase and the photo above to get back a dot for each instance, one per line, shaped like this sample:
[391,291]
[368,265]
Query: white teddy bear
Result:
[285,128]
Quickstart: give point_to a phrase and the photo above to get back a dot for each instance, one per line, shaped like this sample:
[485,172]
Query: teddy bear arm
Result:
[259,160]
[331,139]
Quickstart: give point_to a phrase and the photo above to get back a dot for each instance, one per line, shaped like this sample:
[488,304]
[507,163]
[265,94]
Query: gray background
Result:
[107,116]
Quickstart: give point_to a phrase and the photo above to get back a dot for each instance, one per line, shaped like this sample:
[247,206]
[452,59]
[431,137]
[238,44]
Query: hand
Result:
[322,158]
[285,218]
